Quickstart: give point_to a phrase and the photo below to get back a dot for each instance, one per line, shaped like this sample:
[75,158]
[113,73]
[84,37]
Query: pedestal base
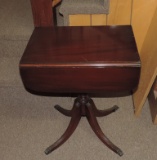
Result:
[84,106]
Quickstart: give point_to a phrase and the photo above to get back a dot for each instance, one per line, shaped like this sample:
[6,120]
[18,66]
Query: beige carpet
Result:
[29,123]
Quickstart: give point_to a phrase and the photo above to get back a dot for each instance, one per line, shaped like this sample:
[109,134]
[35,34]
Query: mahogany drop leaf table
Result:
[81,60]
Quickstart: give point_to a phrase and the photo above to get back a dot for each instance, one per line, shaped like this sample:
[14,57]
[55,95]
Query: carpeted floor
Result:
[29,123]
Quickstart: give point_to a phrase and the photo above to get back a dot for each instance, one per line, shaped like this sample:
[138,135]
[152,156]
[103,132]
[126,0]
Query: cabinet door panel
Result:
[142,15]
[79,20]
[119,12]
[98,19]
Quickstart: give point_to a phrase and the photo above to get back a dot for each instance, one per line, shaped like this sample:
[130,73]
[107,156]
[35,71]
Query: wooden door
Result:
[142,15]
[145,30]
[120,12]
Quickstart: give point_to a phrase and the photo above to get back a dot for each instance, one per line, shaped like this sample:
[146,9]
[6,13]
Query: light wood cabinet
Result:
[79,20]
[87,19]
[119,14]
[146,41]
[98,19]
[142,15]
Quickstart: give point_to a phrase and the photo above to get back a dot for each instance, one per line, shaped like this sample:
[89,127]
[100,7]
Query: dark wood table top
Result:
[81,60]
[81,46]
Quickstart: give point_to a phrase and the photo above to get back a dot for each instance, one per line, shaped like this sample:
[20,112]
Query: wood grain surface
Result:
[81,59]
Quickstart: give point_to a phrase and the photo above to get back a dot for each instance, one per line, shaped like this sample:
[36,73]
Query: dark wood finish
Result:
[42,13]
[75,118]
[84,106]
[81,60]
[153,102]
[63,111]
